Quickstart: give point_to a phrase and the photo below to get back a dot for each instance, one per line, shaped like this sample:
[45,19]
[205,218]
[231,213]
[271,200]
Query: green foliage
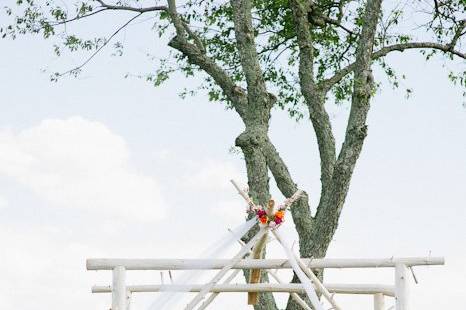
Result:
[335,28]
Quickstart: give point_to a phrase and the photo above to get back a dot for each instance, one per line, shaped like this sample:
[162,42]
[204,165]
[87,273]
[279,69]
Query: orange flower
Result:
[280,214]
[263,219]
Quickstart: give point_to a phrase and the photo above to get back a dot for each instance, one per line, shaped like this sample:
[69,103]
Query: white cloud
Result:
[79,163]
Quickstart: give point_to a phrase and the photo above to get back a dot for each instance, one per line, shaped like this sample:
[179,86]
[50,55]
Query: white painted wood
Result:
[206,289]
[214,295]
[295,296]
[356,289]
[305,281]
[401,287]
[119,288]
[206,264]
[320,287]
[243,194]
[379,301]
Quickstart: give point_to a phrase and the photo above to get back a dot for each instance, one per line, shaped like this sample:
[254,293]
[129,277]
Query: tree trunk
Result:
[258,181]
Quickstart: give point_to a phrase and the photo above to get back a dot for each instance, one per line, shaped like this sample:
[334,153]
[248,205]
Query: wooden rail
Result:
[121,293]
[359,289]
[209,264]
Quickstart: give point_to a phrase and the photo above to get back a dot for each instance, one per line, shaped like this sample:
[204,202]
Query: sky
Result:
[107,166]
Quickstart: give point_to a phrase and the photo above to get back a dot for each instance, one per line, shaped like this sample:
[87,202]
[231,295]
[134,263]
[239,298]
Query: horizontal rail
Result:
[365,289]
[206,264]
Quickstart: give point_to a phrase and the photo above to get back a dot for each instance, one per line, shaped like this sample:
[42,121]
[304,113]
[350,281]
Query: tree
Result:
[253,56]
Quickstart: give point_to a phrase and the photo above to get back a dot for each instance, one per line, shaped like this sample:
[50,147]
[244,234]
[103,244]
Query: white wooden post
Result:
[119,288]
[401,287]
[379,301]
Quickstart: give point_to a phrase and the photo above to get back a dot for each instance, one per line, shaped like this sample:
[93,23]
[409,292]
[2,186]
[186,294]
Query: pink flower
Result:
[278,220]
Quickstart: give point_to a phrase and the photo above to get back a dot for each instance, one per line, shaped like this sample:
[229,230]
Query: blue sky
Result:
[102,166]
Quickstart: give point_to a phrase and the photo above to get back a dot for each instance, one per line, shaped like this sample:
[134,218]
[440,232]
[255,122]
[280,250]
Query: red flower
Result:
[278,220]
[261,213]
[263,219]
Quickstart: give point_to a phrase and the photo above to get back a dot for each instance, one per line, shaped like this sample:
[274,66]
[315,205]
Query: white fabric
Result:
[168,299]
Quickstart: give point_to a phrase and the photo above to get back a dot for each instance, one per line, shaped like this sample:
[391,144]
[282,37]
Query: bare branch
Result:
[77,17]
[76,69]
[338,76]
[133,9]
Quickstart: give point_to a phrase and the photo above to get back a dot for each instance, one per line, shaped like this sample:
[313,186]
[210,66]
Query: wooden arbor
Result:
[122,293]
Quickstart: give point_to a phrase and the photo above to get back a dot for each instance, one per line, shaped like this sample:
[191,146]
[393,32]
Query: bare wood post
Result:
[119,288]
[379,301]
[206,289]
[401,287]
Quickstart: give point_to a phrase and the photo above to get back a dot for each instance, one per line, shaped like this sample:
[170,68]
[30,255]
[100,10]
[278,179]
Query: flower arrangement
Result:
[269,216]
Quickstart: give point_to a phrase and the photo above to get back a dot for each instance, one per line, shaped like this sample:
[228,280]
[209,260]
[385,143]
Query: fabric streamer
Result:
[305,281]
[169,296]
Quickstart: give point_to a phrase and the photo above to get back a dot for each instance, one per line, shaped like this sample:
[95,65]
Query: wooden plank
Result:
[205,264]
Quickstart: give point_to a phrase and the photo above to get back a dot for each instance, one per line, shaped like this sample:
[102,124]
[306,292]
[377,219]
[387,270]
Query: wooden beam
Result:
[356,289]
[206,264]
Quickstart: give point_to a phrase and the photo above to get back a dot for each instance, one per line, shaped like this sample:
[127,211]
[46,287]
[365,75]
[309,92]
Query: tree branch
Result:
[325,85]
[130,8]
[314,99]
[78,68]
[320,20]
[330,207]
[76,18]
[258,98]
[196,54]
[301,210]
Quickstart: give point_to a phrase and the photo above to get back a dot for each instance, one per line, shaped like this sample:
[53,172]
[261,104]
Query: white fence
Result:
[122,293]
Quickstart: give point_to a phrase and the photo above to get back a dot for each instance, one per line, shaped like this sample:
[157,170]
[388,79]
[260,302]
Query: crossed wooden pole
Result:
[309,281]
